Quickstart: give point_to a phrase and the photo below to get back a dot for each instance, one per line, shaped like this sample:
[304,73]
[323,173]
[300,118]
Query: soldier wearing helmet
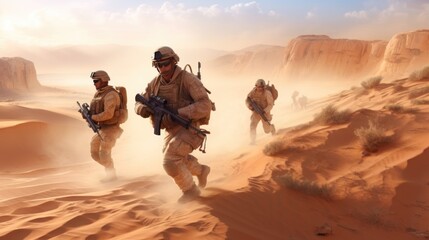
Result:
[185,94]
[264,99]
[104,109]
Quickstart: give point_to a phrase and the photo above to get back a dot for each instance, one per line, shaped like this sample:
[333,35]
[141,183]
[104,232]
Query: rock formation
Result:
[405,53]
[18,74]
[311,57]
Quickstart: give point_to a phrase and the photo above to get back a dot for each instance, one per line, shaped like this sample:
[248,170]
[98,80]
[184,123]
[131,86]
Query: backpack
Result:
[123,111]
[273,90]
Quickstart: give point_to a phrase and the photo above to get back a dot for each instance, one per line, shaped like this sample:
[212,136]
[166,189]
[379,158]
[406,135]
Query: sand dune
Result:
[49,194]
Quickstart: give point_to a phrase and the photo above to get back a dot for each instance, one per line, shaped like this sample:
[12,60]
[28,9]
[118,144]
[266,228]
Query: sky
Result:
[223,25]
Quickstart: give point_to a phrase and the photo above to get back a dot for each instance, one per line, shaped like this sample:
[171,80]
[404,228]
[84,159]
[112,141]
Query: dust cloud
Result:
[139,152]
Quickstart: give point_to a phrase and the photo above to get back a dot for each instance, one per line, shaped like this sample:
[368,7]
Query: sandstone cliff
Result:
[321,57]
[405,53]
[18,74]
[314,56]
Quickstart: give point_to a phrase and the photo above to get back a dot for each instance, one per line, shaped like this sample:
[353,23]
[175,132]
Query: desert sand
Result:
[51,188]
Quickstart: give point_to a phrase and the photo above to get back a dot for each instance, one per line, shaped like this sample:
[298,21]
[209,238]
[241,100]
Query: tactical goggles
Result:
[163,63]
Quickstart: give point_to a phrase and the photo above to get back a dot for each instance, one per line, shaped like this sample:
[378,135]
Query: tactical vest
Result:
[97,105]
[260,98]
[176,96]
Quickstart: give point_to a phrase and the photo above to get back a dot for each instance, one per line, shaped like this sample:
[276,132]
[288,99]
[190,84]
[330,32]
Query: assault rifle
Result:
[159,108]
[258,109]
[84,110]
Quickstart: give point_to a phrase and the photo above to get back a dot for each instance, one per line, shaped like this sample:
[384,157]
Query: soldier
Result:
[184,94]
[104,110]
[264,101]
[294,100]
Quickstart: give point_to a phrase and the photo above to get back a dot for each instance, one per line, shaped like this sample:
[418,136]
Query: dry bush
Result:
[418,92]
[305,186]
[273,148]
[373,136]
[371,82]
[420,101]
[331,115]
[419,75]
[397,108]
[278,146]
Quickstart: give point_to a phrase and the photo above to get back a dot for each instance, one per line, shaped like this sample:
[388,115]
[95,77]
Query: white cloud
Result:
[211,11]
[49,22]
[83,23]
[310,15]
[356,14]
[398,16]
[245,8]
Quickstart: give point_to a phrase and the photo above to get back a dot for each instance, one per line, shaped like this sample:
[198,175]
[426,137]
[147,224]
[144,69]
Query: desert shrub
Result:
[420,101]
[273,148]
[396,108]
[331,115]
[422,74]
[305,186]
[418,92]
[371,82]
[277,147]
[373,136]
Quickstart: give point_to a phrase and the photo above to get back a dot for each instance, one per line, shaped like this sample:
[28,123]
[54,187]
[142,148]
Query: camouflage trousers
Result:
[179,163]
[255,118]
[101,150]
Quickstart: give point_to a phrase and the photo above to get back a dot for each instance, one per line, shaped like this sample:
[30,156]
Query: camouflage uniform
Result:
[104,109]
[265,100]
[185,93]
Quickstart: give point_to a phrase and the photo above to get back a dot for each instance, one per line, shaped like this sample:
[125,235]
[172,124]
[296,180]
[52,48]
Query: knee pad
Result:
[105,155]
[171,168]
[95,155]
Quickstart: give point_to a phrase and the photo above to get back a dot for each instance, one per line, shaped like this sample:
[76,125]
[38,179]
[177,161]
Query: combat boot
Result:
[189,195]
[273,130]
[110,175]
[202,178]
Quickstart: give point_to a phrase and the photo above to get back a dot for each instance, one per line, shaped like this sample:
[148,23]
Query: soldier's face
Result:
[165,68]
[259,88]
[97,83]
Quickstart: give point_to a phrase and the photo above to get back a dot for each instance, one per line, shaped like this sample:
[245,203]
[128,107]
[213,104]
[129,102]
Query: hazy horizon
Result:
[220,25]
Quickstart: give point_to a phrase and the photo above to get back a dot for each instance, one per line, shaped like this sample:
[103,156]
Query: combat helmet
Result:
[164,53]
[260,82]
[100,74]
